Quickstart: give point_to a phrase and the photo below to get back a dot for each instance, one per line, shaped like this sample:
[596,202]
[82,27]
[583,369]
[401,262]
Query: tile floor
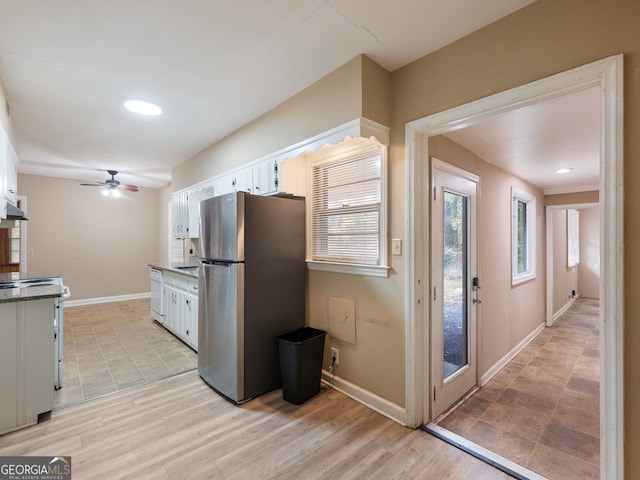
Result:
[113,346]
[542,410]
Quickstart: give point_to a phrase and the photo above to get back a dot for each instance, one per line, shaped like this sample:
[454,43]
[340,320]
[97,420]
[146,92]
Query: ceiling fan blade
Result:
[129,188]
[100,184]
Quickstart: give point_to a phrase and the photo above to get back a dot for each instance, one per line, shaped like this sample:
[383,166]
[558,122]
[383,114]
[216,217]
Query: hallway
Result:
[542,409]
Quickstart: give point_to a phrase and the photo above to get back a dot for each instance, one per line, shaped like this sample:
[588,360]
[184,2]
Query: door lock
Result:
[476,286]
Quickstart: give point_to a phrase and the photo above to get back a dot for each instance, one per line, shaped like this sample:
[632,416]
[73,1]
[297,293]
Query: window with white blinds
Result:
[573,237]
[347,207]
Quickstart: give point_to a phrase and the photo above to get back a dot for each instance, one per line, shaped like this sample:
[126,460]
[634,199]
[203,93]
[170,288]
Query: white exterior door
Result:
[455,285]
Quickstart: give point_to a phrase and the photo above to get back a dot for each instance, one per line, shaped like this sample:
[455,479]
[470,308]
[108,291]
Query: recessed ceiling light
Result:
[142,107]
[563,170]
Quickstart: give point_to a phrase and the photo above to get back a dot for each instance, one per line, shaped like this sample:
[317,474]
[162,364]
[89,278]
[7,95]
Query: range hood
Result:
[14,213]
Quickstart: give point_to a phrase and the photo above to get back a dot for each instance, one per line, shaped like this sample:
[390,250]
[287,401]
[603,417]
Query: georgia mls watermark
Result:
[35,468]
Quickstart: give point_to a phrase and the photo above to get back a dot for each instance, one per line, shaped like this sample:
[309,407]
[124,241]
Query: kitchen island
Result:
[27,348]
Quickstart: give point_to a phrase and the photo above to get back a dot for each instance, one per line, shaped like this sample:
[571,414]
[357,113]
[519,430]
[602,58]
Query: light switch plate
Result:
[396,246]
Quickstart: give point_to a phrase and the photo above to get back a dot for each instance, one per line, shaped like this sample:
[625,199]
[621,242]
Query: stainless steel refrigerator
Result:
[252,289]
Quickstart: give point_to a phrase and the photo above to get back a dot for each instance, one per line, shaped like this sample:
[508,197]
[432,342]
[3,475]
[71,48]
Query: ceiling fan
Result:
[112,185]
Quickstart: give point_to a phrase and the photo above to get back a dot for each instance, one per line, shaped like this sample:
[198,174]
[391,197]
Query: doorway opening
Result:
[606,75]
[13,242]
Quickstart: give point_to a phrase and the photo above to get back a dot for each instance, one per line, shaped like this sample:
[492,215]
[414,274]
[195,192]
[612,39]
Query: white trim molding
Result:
[97,300]
[358,127]
[489,374]
[371,400]
[607,75]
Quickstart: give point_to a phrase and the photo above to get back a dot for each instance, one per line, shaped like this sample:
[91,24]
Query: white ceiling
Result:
[215,66]
[534,141]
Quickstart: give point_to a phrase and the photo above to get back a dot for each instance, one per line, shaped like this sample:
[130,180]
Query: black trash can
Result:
[301,363]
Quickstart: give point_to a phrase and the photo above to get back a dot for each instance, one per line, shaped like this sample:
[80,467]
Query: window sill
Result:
[522,279]
[354,269]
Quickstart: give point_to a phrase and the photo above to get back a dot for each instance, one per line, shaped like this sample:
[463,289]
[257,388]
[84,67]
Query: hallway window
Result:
[523,237]
[348,208]
[573,237]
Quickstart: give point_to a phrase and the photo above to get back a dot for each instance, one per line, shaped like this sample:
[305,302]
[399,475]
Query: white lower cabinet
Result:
[181,307]
[27,361]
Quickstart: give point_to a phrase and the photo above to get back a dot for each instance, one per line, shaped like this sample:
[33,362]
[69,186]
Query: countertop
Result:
[28,292]
[188,269]
[13,276]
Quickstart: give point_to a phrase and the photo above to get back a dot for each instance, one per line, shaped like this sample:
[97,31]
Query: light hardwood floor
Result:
[178,428]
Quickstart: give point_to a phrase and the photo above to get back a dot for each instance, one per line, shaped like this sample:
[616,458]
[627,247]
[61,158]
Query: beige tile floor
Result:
[112,346]
[542,410]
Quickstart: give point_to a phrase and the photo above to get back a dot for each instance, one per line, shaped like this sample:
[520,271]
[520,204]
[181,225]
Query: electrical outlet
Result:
[335,356]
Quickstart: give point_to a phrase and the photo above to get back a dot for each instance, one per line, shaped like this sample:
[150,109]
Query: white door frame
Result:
[607,74]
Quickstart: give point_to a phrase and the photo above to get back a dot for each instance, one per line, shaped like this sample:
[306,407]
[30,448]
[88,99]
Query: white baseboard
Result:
[510,356]
[117,298]
[564,308]
[367,398]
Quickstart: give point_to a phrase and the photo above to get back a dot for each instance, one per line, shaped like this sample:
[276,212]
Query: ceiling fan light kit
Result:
[112,186]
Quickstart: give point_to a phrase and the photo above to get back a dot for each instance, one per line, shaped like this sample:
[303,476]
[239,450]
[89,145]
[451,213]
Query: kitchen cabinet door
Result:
[181,307]
[191,318]
[27,361]
[11,193]
[8,367]
[171,308]
[265,177]
[243,181]
[195,197]
[180,215]
[3,171]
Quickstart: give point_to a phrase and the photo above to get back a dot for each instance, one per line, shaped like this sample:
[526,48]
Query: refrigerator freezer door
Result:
[221,328]
[222,227]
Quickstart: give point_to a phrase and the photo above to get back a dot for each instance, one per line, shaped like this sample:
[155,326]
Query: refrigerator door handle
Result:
[223,263]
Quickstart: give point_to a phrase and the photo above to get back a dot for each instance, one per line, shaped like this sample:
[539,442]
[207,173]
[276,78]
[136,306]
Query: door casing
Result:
[607,75]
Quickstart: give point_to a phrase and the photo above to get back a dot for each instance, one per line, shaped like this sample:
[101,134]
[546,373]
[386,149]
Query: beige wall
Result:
[589,270]
[572,198]
[100,246]
[337,98]
[547,37]
[333,100]
[565,279]
[508,313]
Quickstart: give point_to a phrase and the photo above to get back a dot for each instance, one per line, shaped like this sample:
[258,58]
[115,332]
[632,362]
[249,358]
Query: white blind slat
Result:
[346,197]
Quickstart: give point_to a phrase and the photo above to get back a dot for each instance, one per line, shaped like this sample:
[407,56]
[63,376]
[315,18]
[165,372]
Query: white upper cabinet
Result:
[243,181]
[3,169]
[180,215]
[11,193]
[265,177]
[223,185]
[195,197]
[185,211]
[8,173]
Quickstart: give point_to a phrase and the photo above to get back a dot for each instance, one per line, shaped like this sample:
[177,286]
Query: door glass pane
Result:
[455,283]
